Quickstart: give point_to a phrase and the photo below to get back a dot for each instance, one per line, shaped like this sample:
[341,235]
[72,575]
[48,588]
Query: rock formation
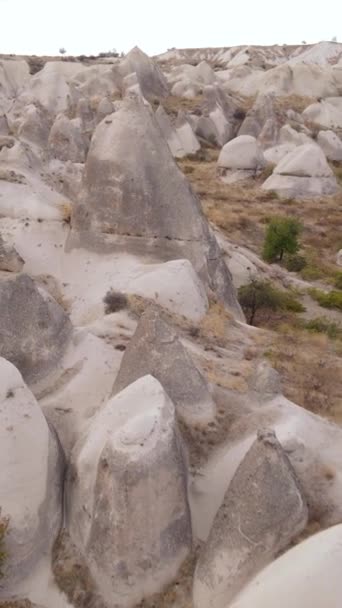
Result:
[31,477]
[262,511]
[303,172]
[133,469]
[130,467]
[155,349]
[283,581]
[330,144]
[130,179]
[240,158]
[10,259]
[34,329]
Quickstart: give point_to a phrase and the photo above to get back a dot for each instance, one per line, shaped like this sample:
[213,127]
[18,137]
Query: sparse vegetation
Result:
[173,104]
[310,368]
[259,296]
[295,263]
[114,301]
[281,237]
[331,299]
[324,326]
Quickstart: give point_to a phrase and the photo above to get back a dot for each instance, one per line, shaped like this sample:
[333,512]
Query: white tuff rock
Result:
[127,507]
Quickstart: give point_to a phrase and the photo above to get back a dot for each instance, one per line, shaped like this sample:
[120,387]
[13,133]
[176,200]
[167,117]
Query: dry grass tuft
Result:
[178,593]
[298,103]
[173,104]
[311,367]
[72,575]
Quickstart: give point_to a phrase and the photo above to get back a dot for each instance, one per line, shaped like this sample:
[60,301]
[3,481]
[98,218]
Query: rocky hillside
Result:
[162,443]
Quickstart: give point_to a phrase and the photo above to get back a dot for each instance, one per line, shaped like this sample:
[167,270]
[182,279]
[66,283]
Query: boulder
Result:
[326,113]
[6,141]
[186,135]
[136,198]
[262,511]
[189,80]
[303,172]
[156,349]
[34,329]
[131,179]
[339,258]
[31,123]
[31,478]
[127,508]
[150,78]
[14,75]
[173,285]
[104,108]
[204,73]
[307,576]
[269,134]
[288,135]
[275,154]
[205,128]
[290,186]
[25,195]
[313,445]
[299,79]
[241,158]
[97,81]
[224,126]
[242,153]
[18,154]
[81,383]
[221,109]
[169,133]
[307,160]
[50,86]
[10,260]
[66,141]
[261,111]
[330,144]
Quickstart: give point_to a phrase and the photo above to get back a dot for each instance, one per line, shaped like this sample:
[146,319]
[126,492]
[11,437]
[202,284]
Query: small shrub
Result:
[261,295]
[281,237]
[294,263]
[114,301]
[332,299]
[289,302]
[310,272]
[324,326]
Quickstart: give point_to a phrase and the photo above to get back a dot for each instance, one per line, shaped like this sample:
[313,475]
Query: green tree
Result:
[281,237]
[261,295]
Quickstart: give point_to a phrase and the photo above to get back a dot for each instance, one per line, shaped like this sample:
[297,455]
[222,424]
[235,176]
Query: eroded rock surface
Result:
[156,349]
[130,467]
[34,329]
[263,510]
[31,478]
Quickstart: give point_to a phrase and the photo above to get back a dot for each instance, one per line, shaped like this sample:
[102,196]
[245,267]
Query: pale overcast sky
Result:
[92,26]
